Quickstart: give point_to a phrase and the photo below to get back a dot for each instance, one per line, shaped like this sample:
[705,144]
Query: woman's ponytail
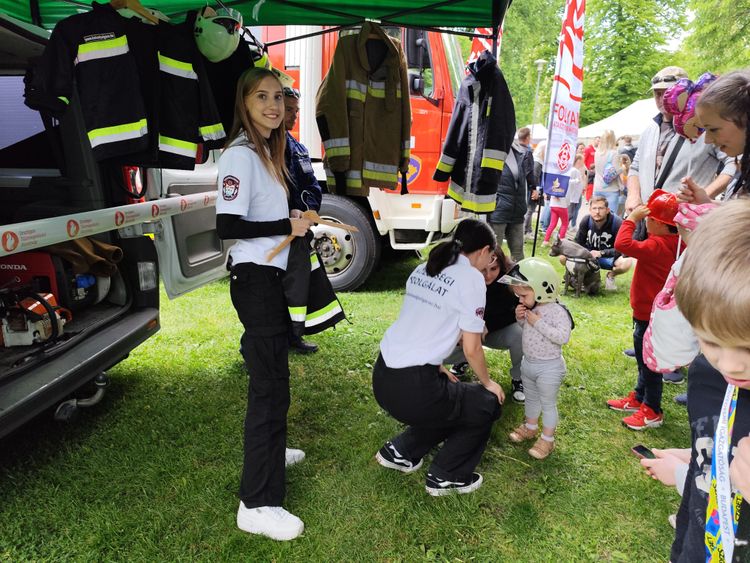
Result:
[470,235]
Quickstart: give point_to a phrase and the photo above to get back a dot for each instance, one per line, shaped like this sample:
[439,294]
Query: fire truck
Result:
[409,221]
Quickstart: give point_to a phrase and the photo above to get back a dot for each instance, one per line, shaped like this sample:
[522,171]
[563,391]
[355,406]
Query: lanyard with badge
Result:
[723,510]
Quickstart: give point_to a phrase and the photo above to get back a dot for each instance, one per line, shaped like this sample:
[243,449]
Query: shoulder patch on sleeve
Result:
[480,312]
[230,187]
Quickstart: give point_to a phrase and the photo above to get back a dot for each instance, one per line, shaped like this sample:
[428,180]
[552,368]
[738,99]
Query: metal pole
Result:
[540,201]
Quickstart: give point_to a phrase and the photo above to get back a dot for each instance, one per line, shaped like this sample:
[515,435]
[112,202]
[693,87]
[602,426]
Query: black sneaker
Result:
[629,352]
[437,487]
[674,377]
[516,391]
[460,369]
[389,457]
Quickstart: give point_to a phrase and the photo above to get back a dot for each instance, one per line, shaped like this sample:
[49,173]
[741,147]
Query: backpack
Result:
[609,174]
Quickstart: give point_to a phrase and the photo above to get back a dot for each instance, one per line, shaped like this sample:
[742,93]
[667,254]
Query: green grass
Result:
[150,474]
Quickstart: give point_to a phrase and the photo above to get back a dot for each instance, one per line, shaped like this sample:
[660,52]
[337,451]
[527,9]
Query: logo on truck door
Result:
[415,167]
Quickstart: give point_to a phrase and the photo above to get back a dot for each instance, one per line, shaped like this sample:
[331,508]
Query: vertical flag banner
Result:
[480,44]
[565,104]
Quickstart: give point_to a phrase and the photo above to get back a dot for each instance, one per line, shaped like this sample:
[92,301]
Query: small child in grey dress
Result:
[546,327]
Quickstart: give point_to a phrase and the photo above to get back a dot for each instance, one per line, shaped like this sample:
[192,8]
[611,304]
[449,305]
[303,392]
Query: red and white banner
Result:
[480,44]
[33,235]
[565,105]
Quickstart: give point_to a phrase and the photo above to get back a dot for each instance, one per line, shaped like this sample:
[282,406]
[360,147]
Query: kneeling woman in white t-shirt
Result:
[444,300]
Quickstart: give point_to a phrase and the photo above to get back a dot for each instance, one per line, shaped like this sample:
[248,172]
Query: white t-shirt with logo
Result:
[247,189]
[435,311]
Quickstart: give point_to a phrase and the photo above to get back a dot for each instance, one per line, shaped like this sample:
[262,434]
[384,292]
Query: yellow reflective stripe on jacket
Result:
[356,90]
[64,99]
[338,151]
[177,146]
[212,132]
[116,133]
[446,163]
[298,314]
[469,202]
[102,49]
[314,262]
[492,158]
[376,171]
[322,315]
[176,68]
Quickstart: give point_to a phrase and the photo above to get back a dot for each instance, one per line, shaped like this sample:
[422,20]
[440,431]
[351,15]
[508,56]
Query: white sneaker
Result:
[271,521]
[609,283]
[294,456]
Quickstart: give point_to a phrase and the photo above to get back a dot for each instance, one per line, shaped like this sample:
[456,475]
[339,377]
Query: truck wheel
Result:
[348,258]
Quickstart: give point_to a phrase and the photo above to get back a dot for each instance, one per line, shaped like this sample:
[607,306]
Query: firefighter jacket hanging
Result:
[364,114]
[479,137]
[313,305]
[141,87]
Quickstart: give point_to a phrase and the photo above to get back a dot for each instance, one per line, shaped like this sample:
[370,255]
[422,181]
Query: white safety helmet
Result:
[217,32]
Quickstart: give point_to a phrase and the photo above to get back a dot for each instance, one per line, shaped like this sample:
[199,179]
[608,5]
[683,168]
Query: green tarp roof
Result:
[428,13]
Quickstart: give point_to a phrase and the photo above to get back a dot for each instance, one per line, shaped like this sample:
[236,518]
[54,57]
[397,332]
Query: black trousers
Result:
[437,410]
[258,296]
[650,383]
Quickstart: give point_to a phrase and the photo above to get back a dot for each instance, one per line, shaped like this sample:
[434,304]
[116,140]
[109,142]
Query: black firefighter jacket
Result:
[313,305]
[142,88]
[479,137]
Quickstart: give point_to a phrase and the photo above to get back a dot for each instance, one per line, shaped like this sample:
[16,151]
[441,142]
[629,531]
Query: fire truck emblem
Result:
[183,204]
[230,187]
[10,241]
[206,199]
[154,210]
[563,156]
[73,227]
[119,218]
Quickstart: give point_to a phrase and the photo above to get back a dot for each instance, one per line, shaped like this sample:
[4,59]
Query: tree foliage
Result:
[624,46]
[718,38]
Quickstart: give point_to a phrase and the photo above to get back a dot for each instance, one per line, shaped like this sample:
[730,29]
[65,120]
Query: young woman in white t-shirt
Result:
[444,301]
[253,208]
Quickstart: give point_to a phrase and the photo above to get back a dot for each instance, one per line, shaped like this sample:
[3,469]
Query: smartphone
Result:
[642,451]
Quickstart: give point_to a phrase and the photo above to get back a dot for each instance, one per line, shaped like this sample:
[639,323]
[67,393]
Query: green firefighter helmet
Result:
[537,274]
[217,32]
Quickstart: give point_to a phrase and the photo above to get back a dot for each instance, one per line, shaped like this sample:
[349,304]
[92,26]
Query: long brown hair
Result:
[730,97]
[271,150]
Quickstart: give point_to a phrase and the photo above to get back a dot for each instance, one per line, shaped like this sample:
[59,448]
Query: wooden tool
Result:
[315,218]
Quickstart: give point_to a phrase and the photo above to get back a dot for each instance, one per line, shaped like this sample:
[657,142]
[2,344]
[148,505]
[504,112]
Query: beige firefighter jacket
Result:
[364,115]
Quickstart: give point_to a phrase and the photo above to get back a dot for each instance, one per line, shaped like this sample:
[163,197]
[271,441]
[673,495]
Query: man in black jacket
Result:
[597,232]
[510,199]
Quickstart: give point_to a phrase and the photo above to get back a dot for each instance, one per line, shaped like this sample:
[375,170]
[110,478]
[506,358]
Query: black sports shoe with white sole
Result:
[389,457]
[440,487]
[516,391]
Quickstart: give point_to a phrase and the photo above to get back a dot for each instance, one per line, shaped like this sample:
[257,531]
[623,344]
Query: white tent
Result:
[629,121]
[538,133]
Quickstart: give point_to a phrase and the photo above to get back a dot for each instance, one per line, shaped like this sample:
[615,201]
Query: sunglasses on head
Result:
[668,78]
[291,93]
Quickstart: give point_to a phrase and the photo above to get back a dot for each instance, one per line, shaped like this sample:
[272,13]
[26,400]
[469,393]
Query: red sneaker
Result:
[646,417]
[626,404]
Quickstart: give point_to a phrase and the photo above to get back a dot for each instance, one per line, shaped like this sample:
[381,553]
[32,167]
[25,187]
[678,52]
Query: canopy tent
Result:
[629,121]
[417,13]
[538,132]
